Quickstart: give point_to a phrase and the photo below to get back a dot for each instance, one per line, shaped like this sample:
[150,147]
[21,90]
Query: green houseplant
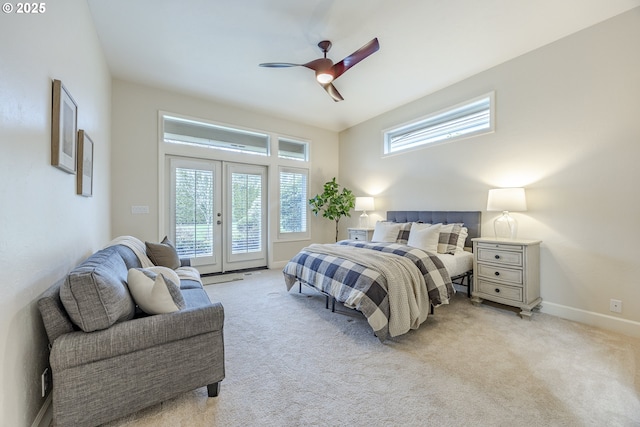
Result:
[333,203]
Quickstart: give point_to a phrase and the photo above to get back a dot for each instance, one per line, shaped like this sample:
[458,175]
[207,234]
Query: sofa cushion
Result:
[156,290]
[95,293]
[163,253]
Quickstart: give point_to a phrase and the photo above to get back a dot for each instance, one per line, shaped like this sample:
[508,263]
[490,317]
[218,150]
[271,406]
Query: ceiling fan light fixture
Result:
[324,77]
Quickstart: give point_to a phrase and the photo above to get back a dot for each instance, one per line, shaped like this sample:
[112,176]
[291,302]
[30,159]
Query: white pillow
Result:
[156,290]
[425,237]
[386,232]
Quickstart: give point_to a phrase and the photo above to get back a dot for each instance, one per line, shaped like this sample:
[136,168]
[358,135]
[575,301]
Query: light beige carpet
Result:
[291,362]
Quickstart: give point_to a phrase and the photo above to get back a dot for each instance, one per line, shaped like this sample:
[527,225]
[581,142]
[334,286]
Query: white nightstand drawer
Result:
[499,273]
[498,256]
[500,291]
[360,234]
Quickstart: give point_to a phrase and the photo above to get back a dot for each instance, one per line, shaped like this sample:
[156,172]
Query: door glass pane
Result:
[194,212]
[246,213]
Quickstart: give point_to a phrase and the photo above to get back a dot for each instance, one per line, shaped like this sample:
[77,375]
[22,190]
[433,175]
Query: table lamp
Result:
[506,200]
[364,204]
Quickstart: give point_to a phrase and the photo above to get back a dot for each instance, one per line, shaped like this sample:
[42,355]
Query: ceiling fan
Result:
[326,70]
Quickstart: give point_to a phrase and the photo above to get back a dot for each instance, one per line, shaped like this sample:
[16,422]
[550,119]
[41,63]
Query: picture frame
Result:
[64,129]
[84,176]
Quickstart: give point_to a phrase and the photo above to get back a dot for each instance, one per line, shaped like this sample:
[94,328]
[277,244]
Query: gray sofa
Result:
[108,359]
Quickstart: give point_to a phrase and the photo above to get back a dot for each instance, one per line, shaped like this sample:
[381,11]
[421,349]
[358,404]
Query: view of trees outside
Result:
[293,202]
[246,212]
[194,212]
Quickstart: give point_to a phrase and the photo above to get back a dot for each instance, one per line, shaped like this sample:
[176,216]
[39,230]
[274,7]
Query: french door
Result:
[218,214]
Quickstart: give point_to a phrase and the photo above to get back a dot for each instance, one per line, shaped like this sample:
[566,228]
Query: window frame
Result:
[415,124]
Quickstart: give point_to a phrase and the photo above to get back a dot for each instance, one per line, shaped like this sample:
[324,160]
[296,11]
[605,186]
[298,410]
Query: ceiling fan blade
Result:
[357,56]
[319,64]
[333,92]
[279,65]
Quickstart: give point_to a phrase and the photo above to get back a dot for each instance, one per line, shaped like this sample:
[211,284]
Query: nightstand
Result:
[363,234]
[507,271]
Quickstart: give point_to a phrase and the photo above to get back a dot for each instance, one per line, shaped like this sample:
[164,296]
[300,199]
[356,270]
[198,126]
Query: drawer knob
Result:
[497,290]
[497,256]
[497,273]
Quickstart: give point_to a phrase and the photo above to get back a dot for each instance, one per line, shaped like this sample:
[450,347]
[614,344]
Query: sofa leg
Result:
[213,389]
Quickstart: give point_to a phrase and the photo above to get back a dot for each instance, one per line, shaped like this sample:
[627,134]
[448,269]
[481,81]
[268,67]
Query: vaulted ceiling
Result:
[212,48]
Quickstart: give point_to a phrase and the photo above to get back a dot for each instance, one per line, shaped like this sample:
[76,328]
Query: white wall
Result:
[135,157]
[45,228]
[568,130]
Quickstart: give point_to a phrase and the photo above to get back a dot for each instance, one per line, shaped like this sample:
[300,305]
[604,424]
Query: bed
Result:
[396,280]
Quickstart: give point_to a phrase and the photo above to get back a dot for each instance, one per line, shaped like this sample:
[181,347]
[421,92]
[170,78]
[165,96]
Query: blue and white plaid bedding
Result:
[364,287]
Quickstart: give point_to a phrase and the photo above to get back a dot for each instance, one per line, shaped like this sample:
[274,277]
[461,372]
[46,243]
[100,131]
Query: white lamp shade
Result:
[506,199]
[364,204]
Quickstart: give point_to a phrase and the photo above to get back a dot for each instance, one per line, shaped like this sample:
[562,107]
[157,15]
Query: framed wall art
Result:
[64,125]
[84,176]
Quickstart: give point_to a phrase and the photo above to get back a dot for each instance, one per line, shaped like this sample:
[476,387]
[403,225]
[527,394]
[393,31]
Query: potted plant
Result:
[333,203]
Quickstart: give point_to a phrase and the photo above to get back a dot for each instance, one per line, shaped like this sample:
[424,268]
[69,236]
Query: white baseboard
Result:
[623,326]
[277,265]
[45,415]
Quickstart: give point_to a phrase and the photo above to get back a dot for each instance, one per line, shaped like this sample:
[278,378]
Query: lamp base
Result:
[505,227]
[364,220]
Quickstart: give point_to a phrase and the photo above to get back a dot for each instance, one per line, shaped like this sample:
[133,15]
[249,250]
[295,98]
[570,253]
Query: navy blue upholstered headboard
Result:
[471,219]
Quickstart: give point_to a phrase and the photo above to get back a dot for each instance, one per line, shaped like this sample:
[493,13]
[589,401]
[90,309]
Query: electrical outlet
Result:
[615,305]
[45,380]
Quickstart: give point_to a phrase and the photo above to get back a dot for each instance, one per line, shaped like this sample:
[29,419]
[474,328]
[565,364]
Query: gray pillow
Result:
[95,294]
[163,254]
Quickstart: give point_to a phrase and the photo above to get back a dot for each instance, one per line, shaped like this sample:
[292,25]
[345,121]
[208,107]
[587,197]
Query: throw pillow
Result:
[464,233]
[403,234]
[95,294]
[154,290]
[448,241]
[385,232]
[163,253]
[425,237]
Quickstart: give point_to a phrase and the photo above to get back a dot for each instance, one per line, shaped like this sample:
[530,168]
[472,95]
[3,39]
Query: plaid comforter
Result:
[366,287]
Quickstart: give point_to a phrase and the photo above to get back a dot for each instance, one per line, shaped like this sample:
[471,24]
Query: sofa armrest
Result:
[78,348]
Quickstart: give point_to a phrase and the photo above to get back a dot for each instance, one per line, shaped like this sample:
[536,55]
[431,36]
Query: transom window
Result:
[470,118]
[184,131]
[295,150]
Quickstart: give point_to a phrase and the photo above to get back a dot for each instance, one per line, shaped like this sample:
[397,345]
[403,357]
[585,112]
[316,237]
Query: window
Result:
[184,131]
[246,212]
[193,207]
[474,117]
[293,201]
[290,149]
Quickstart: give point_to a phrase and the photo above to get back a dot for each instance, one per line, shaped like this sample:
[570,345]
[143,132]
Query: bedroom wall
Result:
[567,131]
[135,158]
[45,228]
